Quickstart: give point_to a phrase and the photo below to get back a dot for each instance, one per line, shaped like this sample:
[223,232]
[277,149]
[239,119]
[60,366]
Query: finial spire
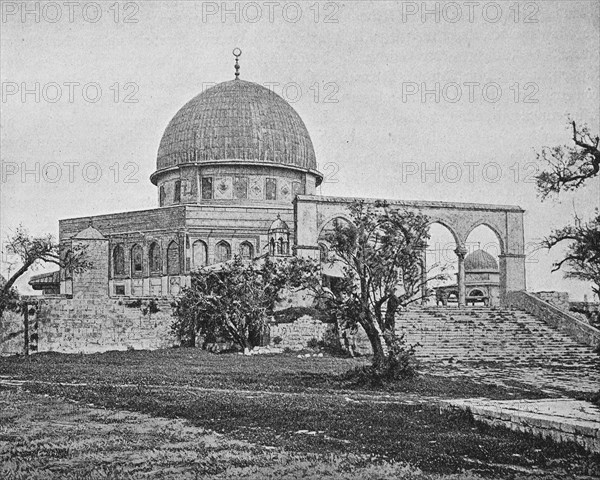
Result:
[237,53]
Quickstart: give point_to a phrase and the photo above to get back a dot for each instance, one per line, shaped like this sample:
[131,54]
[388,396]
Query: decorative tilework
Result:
[256,190]
[223,188]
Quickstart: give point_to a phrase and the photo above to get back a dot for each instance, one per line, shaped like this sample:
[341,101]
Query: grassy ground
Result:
[196,368]
[302,408]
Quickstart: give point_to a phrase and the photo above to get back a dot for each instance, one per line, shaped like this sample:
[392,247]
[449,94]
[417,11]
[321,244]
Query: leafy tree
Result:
[582,258]
[27,252]
[234,301]
[382,252]
[570,167]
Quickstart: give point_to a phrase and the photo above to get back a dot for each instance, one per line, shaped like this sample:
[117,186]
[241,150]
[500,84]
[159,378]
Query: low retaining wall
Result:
[575,328]
[88,325]
[12,331]
[563,420]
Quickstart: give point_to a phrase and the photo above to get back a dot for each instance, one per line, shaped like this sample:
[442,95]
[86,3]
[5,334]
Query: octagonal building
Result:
[236,174]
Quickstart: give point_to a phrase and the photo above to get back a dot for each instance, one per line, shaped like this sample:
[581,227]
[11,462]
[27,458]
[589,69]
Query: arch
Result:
[332,219]
[177,192]
[223,251]
[199,254]
[476,292]
[119,260]
[154,258]
[440,256]
[272,246]
[492,228]
[443,223]
[246,251]
[137,257]
[173,260]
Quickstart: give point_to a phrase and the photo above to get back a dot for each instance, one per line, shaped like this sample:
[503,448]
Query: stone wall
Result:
[89,325]
[558,299]
[575,328]
[296,335]
[11,333]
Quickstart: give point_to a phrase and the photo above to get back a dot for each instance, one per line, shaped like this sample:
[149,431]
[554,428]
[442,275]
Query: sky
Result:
[403,100]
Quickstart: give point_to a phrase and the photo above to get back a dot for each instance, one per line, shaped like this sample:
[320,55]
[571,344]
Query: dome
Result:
[90,233]
[480,260]
[279,225]
[237,122]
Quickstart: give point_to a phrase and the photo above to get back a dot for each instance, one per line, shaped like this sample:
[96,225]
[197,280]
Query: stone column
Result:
[424,278]
[461,252]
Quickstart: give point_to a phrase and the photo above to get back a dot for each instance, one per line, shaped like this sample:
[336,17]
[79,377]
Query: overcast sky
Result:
[447,102]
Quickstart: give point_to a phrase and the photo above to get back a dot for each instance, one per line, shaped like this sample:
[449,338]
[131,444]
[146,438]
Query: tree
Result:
[570,167]
[382,252]
[582,257]
[235,300]
[27,252]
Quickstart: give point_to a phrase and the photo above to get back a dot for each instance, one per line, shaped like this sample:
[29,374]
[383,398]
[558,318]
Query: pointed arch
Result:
[223,251]
[154,258]
[173,259]
[137,257]
[118,260]
[246,251]
[492,228]
[199,254]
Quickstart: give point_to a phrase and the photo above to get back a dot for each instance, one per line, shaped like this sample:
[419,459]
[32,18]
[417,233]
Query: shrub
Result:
[313,343]
[277,340]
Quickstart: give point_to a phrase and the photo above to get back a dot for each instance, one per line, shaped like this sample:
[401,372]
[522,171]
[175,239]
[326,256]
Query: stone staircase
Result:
[492,335]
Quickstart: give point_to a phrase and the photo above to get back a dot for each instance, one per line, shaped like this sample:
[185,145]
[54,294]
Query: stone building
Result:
[236,174]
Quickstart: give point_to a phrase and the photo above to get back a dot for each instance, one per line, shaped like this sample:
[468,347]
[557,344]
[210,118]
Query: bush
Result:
[399,364]
[331,343]
[313,343]
[277,340]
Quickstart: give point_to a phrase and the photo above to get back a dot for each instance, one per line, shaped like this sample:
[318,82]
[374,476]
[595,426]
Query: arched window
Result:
[136,260]
[246,251]
[154,258]
[162,196]
[199,254]
[173,264]
[223,252]
[119,260]
[272,246]
[177,194]
[280,250]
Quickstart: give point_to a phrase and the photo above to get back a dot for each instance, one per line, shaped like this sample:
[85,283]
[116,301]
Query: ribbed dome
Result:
[480,260]
[237,121]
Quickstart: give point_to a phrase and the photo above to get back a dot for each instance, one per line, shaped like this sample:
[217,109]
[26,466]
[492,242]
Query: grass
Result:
[196,368]
[303,407]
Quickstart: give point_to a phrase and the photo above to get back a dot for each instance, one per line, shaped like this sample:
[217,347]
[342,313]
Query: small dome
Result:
[279,226]
[90,233]
[480,260]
